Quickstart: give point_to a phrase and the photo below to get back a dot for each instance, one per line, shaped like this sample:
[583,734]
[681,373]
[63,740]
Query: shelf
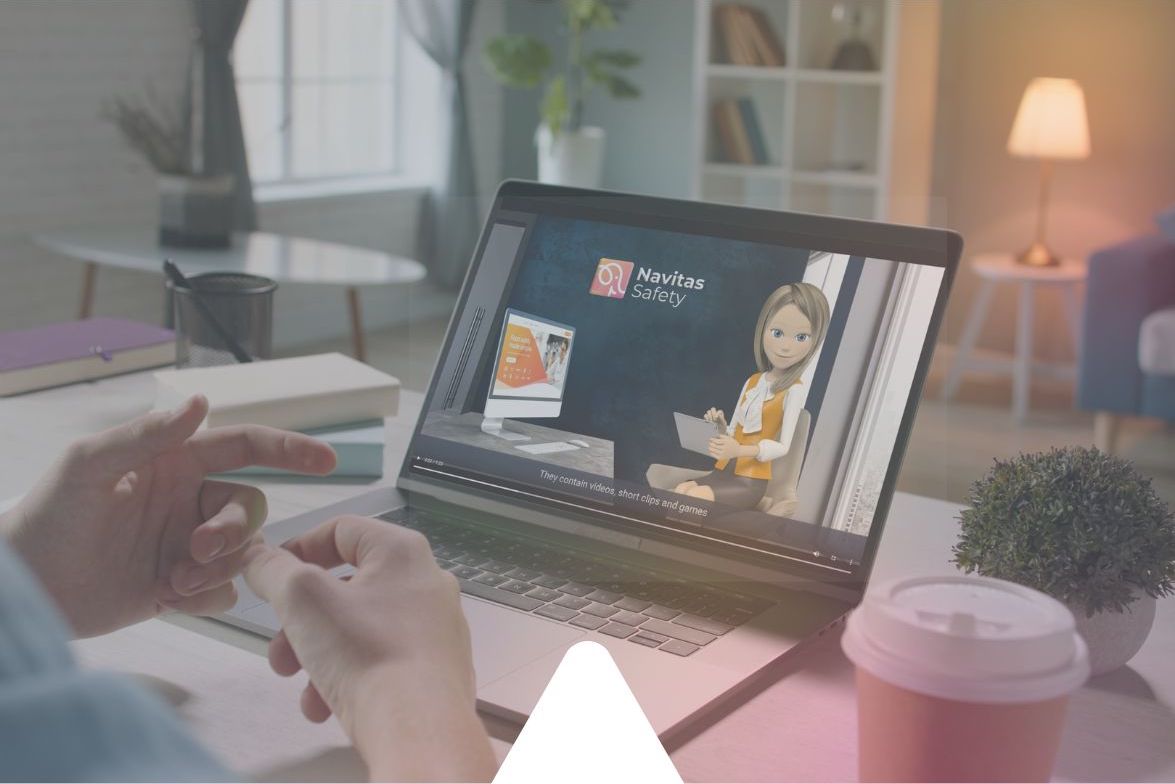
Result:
[844,202]
[827,131]
[726,71]
[827,76]
[851,179]
[746,170]
[789,74]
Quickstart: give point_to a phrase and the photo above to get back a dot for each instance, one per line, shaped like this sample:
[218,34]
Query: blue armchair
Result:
[1131,288]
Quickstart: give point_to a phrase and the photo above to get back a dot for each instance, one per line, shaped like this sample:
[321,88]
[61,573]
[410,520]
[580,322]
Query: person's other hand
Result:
[387,649]
[125,526]
[724,447]
[716,416]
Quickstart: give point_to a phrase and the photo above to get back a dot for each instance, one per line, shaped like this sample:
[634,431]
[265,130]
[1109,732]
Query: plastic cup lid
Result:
[975,639]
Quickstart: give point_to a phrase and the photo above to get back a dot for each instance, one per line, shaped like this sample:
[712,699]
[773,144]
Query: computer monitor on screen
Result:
[530,372]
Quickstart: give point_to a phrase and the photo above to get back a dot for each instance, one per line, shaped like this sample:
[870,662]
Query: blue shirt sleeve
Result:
[61,723]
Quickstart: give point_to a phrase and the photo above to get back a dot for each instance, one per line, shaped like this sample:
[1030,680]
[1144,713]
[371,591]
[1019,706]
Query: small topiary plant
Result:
[1075,523]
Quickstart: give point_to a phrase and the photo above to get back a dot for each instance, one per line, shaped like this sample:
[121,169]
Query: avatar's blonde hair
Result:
[812,303]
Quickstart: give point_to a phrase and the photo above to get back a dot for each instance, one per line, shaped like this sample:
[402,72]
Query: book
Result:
[299,393]
[359,447]
[738,47]
[72,351]
[745,36]
[732,133]
[762,34]
[755,138]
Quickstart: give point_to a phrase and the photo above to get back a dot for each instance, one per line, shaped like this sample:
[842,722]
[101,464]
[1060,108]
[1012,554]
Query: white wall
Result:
[1121,54]
[62,165]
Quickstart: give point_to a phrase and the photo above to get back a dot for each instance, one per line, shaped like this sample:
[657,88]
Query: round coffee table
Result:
[279,257]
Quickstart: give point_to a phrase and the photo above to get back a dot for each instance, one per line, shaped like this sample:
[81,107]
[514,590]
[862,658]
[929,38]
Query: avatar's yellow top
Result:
[772,422]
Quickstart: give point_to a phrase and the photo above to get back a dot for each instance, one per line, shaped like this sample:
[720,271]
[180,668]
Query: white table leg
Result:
[971,329]
[1022,369]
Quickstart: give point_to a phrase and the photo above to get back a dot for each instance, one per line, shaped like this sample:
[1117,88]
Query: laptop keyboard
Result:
[617,599]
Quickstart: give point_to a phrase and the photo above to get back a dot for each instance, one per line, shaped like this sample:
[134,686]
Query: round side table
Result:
[994,269]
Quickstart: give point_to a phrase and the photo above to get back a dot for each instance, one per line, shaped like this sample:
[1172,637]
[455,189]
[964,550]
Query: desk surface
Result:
[276,256]
[800,726]
[597,458]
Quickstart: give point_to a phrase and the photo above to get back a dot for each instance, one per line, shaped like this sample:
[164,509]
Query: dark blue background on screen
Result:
[635,362]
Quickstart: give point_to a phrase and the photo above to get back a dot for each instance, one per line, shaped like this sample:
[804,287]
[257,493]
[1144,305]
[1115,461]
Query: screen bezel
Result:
[869,239]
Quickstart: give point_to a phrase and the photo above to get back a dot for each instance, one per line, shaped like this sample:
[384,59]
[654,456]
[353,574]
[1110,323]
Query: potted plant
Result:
[195,209]
[1083,526]
[569,153]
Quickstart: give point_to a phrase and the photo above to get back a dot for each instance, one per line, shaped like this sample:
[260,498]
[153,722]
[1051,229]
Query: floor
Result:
[952,444]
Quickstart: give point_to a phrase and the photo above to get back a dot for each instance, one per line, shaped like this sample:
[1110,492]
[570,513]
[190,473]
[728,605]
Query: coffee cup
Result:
[961,678]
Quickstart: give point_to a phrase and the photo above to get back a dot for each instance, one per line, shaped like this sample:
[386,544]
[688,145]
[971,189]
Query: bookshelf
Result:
[826,133]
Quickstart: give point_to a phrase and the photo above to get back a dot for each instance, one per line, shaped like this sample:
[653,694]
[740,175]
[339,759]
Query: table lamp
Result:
[1050,125]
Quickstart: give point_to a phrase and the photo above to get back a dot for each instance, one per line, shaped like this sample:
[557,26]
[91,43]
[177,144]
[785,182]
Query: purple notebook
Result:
[71,340]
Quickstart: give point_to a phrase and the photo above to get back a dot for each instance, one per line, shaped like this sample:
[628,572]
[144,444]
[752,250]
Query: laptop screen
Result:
[738,385]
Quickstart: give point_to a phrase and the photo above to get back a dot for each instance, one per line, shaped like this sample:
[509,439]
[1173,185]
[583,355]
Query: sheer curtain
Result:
[451,219]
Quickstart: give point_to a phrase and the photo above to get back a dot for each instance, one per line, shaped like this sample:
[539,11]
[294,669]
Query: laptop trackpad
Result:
[506,640]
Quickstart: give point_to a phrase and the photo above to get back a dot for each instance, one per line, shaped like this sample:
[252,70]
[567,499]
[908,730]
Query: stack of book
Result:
[329,396]
[738,133]
[744,36]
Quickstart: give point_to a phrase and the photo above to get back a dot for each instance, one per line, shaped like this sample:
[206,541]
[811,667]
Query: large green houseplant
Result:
[569,152]
[1083,526]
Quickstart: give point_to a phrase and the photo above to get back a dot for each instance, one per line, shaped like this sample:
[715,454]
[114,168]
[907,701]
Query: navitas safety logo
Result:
[611,279]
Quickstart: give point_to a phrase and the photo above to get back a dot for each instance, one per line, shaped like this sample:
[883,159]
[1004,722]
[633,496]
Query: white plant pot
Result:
[1114,637]
[574,158]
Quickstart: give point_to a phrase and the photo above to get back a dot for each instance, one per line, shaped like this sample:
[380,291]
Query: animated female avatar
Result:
[791,327]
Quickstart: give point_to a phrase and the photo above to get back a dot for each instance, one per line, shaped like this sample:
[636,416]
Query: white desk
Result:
[278,257]
[800,727]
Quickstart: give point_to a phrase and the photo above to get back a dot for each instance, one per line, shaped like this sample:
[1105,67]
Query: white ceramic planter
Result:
[1114,637]
[572,158]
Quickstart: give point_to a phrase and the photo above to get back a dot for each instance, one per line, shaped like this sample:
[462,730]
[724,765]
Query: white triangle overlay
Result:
[587,705]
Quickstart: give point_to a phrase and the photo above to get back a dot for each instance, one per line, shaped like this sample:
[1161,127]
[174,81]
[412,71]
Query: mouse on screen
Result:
[579,442]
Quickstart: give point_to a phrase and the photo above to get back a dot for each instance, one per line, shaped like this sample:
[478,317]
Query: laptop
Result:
[694,433]
[662,299]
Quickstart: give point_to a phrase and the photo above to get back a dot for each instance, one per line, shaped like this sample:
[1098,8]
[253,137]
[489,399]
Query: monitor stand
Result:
[493,426]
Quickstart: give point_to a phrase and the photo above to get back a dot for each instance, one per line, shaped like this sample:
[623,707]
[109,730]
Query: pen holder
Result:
[243,304]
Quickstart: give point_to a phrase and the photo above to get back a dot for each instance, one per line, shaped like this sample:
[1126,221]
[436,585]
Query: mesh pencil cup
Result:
[241,303]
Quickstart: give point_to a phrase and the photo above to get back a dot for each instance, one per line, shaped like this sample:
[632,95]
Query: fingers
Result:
[112,453]
[282,658]
[188,578]
[314,707]
[271,571]
[714,446]
[233,513]
[211,602]
[352,540]
[229,448]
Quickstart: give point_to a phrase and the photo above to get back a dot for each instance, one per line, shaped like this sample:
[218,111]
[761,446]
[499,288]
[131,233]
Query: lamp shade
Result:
[1051,121]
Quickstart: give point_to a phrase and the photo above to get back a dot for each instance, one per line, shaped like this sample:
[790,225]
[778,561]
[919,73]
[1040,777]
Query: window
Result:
[316,81]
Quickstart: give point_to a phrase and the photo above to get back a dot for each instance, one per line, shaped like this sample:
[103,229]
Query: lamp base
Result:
[1038,255]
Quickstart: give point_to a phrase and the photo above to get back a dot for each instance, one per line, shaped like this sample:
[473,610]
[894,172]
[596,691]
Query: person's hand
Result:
[125,526]
[724,447]
[716,416]
[387,649]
